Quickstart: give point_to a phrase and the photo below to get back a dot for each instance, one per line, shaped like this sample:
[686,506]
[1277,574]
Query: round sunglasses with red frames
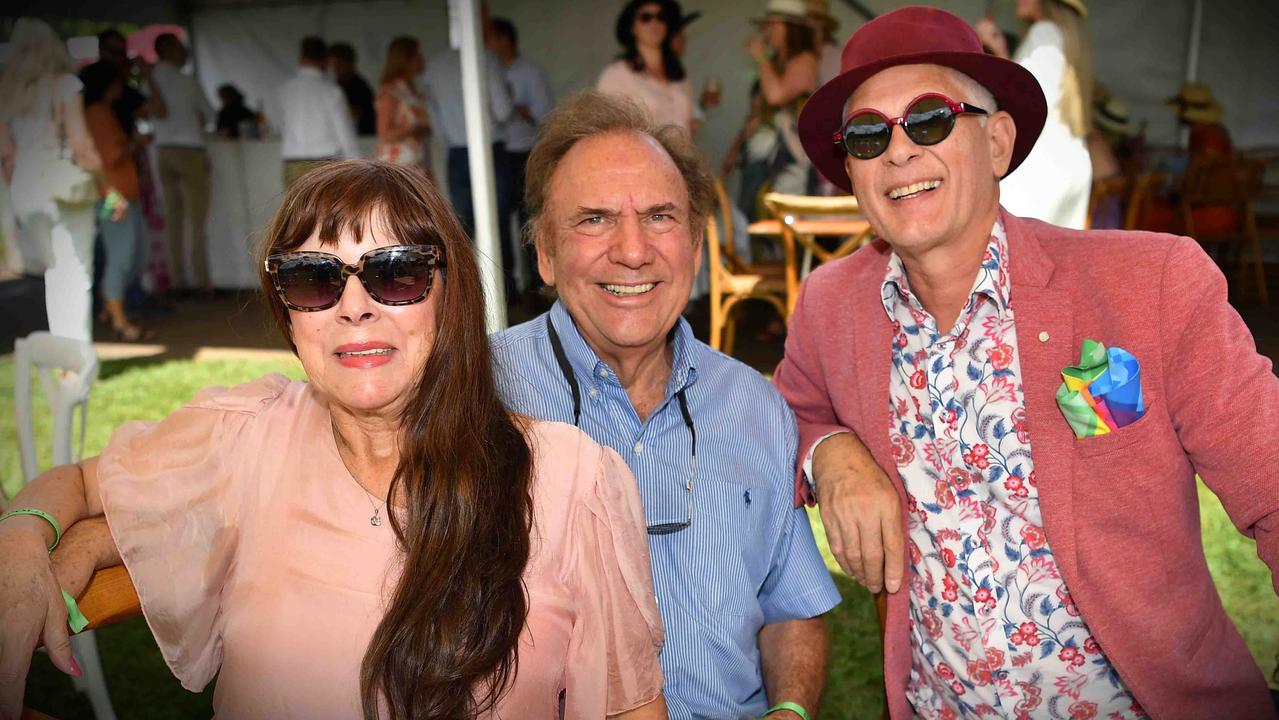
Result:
[395,275]
[928,120]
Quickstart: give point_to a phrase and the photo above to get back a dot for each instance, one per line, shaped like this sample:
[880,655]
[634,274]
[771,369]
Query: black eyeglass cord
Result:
[566,369]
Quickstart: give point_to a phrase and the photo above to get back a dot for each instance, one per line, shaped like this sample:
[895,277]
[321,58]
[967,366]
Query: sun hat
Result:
[1195,103]
[1112,115]
[820,10]
[913,36]
[791,10]
[626,19]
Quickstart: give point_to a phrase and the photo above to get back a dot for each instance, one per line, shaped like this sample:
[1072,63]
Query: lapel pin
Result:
[1043,336]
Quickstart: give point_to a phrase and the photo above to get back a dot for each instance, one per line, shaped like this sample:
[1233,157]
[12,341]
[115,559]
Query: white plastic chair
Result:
[65,391]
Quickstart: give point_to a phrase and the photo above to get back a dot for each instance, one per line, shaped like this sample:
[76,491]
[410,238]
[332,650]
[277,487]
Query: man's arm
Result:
[1223,397]
[793,656]
[860,507]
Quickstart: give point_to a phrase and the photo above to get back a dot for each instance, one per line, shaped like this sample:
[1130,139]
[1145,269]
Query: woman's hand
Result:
[756,46]
[31,610]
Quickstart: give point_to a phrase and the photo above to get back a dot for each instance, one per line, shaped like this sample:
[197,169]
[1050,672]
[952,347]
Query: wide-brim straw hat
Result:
[1195,103]
[1112,116]
[820,10]
[917,36]
[795,11]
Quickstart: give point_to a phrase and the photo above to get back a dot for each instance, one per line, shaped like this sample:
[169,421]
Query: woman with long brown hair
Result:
[402,122]
[1054,182]
[649,71]
[383,540]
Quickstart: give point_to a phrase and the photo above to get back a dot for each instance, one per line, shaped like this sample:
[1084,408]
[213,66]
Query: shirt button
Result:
[1043,336]
[592,392]
[603,372]
[639,448]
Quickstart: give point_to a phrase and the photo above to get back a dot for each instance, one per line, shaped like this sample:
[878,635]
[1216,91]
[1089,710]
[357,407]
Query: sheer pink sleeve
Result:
[173,501]
[618,631]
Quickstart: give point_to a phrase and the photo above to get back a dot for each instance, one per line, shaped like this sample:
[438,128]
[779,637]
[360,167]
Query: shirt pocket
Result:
[731,547]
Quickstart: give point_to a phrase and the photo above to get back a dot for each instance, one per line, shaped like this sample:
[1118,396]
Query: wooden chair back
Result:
[732,279]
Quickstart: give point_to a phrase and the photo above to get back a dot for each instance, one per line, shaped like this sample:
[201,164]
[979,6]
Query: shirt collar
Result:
[586,364]
[992,281]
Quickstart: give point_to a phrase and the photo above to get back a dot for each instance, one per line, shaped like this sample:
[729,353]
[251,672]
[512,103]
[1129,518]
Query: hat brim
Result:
[1015,89]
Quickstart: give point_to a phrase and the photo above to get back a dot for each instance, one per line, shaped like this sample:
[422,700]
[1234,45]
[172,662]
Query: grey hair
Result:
[974,93]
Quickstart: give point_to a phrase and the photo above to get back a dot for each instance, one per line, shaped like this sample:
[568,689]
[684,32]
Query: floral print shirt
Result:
[994,632]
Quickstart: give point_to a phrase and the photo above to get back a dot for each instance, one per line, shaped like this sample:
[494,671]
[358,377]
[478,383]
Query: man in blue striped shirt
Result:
[616,210]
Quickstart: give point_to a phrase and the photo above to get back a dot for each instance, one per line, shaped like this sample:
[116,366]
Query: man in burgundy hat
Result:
[1051,563]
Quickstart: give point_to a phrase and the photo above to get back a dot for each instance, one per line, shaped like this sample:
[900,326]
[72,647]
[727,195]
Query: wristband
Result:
[788,705]
[57,531]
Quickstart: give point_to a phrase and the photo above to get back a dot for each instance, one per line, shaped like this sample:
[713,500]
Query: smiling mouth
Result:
[366,353]
[628,290]
[914,190]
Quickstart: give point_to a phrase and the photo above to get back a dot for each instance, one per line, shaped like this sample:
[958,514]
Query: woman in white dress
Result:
[1054,181]
[41,123]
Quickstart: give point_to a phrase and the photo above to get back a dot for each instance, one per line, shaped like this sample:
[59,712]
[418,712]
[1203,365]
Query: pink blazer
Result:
[1120,510]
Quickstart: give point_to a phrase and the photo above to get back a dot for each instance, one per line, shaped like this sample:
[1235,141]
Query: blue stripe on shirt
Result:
[749,557]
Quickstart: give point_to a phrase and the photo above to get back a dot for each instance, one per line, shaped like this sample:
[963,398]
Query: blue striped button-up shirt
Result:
[749,557]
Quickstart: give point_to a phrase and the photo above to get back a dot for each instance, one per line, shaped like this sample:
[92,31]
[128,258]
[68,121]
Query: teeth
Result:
[630,289]
[901,192]
[366,353]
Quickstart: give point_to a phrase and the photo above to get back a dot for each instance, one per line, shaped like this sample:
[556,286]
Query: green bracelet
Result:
[75,618]
[57,531]
[788,705]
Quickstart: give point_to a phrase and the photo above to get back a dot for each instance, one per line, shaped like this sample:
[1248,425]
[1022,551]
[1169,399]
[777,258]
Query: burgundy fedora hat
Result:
[914,36]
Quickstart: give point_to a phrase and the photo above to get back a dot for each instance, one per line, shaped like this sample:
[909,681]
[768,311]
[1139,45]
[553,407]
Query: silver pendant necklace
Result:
[376,519]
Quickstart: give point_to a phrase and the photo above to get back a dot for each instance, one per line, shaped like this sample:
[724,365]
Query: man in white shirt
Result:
[532,98]
[180,112]
[444,99]
[315,121]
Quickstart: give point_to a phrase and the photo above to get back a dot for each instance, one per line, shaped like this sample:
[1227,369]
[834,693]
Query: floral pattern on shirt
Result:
[994,632]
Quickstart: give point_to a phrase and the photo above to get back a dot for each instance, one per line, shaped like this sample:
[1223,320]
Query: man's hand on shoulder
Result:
[861,512]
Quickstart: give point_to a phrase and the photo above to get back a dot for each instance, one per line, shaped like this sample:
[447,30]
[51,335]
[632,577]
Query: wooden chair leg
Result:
[730,333]
[717,321]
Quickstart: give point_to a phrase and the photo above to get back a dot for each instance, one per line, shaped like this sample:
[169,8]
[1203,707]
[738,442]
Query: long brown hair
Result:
[1077,81]
[399,53]
[446,647]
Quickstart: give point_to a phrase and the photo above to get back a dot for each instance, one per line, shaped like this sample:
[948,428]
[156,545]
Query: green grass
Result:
[141,686]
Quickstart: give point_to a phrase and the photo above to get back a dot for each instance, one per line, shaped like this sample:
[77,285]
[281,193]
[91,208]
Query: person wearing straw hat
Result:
[1196,107]
[1051,563]
[785,55]
[1054,182]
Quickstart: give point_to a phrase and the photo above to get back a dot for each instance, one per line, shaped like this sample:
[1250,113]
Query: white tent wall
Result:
[1140,49]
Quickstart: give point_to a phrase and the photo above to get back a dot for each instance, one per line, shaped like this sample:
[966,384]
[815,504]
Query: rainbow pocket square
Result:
[1103,392]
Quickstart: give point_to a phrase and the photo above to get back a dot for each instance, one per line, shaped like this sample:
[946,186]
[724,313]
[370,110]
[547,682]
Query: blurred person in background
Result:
[649,70]
[48,157]
[444,99]
[235,120]
[1197,108]
[785,56]
[531,93]
[180,112]
[315,121]
[113,50]
[119,211]
[358,93]
[1054,182]
[403,127]
[825,26]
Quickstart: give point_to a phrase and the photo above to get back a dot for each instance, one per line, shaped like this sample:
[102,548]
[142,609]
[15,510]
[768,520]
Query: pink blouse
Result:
[253,555]
[667,103]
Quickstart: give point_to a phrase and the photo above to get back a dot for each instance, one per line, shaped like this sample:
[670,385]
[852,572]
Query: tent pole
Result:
[480,160]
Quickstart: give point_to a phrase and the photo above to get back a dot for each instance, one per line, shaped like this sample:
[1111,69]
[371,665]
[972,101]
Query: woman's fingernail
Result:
[75,667]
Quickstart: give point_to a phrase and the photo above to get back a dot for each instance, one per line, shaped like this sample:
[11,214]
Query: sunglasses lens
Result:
[398,275]
[866,136]
[310,282]
[647,17]
[929,121]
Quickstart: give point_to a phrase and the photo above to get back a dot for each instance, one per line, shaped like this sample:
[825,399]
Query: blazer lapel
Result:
[1045,315]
